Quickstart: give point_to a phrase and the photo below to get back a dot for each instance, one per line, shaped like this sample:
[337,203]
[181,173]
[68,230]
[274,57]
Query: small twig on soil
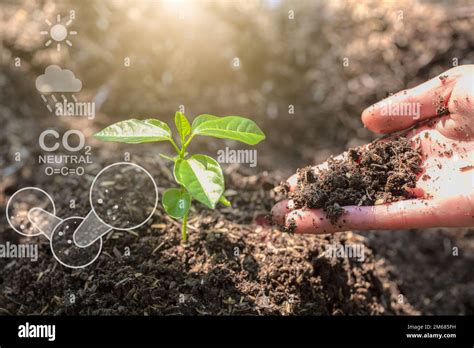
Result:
[4,310]
[106,253]
[158,247]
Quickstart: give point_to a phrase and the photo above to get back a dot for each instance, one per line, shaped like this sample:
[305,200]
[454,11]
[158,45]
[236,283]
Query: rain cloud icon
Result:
[58,80]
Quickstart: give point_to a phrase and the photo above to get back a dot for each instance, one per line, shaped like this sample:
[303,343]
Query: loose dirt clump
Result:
[385,171]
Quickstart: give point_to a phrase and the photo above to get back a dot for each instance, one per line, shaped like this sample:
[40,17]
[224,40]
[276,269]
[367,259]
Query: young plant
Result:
[199,176]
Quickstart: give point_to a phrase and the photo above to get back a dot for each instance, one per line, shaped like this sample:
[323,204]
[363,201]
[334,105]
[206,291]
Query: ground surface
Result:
[233,266]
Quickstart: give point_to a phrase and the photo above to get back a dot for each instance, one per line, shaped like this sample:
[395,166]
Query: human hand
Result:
[442,113]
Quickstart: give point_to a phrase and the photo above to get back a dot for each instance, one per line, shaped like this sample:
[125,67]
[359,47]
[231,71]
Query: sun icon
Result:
[58,32]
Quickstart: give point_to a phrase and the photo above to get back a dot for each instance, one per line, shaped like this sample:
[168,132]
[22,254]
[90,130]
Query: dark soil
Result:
[384,171]
[231,265]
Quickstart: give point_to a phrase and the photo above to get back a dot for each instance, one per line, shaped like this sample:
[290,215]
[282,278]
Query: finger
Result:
[280,210]
[410,106]
[453,212]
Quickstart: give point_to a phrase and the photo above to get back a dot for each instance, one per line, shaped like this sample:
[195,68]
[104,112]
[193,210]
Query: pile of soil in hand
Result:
[384,171]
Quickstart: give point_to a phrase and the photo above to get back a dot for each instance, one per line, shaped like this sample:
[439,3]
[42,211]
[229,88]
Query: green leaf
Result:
[176,202]
[182,125]
[202,176]
[203,118]
[136,131]
[224,201]
[230,127]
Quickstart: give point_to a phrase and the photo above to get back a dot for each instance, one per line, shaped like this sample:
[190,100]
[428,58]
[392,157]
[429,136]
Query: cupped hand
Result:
[438,116]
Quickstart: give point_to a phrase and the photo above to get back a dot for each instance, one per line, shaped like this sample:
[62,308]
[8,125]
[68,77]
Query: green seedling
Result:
[199,176]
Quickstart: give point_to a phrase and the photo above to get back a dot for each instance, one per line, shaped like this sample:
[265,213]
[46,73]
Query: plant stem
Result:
[185,145]
[184,228]
[178,151]
[166,157]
